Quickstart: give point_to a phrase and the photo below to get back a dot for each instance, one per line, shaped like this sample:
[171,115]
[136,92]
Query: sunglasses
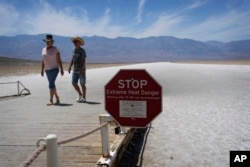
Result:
[76,41]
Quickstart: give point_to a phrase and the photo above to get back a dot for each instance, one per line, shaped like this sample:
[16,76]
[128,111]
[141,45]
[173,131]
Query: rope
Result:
[81,136]
[42,147]
[35,154]
[8,82]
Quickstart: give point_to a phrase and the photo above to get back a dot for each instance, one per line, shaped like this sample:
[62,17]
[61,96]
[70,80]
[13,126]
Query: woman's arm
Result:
[59,61]
[42,68]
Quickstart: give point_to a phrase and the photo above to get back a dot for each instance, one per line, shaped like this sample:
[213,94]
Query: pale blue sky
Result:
[222,20]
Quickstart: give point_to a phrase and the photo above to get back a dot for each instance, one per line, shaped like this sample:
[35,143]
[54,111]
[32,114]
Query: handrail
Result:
[8,82]
[83,135]
[19,92]
[42,147]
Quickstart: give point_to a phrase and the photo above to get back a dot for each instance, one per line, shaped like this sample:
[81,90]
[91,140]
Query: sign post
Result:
[133,98]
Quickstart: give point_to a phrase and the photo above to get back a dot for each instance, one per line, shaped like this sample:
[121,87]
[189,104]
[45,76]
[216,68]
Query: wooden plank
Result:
[18,147]
[25,120]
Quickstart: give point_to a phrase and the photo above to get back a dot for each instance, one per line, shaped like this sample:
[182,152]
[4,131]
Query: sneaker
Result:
[79,99]
[82,100]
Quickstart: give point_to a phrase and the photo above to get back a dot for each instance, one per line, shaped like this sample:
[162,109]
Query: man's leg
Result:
[75,78]
[77,89]
[83,82]
[84,91]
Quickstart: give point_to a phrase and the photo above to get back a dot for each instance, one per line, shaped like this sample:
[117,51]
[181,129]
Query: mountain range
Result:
[126,50]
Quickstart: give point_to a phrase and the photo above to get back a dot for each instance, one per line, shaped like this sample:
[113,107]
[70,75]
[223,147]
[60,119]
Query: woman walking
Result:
[51,62]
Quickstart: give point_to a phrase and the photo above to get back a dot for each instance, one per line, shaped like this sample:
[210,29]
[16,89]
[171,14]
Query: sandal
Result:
[50,103]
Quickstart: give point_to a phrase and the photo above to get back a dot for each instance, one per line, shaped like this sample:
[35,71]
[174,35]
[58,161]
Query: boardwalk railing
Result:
[51,144]
[21,89]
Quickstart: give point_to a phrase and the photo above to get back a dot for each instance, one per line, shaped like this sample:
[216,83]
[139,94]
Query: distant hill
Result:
[6,61]
[125,50]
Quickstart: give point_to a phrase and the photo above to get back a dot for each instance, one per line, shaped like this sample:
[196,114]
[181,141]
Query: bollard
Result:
[51,149]
[51,145]
[105,135]
[108,157]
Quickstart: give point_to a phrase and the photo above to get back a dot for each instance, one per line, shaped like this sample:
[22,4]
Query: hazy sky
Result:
[222,20]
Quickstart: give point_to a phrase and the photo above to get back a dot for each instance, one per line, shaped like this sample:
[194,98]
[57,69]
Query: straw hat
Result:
[78,39]
[48,38]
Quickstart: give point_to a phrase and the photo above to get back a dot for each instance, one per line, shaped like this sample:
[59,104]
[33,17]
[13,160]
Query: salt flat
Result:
[206,114]
[206,110]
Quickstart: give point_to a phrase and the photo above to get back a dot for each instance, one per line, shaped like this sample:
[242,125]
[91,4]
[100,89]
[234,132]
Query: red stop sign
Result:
[133,98]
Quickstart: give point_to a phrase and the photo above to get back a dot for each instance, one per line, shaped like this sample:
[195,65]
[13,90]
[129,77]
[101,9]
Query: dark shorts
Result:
[76,77]
[51,75]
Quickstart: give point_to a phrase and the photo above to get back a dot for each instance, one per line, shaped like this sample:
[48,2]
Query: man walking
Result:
[79,70]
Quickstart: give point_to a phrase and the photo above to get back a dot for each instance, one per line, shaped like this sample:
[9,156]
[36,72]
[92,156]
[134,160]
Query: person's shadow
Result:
[90,102]
[63,104]
[67,105]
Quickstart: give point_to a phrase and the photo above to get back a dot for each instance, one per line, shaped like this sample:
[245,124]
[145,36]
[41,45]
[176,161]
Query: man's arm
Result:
[70,65]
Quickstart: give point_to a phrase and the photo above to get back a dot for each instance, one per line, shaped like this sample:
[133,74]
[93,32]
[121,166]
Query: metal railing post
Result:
[18,88]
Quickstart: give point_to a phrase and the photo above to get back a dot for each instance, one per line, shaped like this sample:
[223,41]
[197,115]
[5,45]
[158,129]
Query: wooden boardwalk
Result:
[20,131]
[25,120]
[18,140]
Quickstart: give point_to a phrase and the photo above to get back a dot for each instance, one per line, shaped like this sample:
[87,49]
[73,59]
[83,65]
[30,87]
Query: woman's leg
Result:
[51,92]
[52,74]
[57,97]
[54,92]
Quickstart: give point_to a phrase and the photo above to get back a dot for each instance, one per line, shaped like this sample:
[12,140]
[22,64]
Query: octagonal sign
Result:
[133,98]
